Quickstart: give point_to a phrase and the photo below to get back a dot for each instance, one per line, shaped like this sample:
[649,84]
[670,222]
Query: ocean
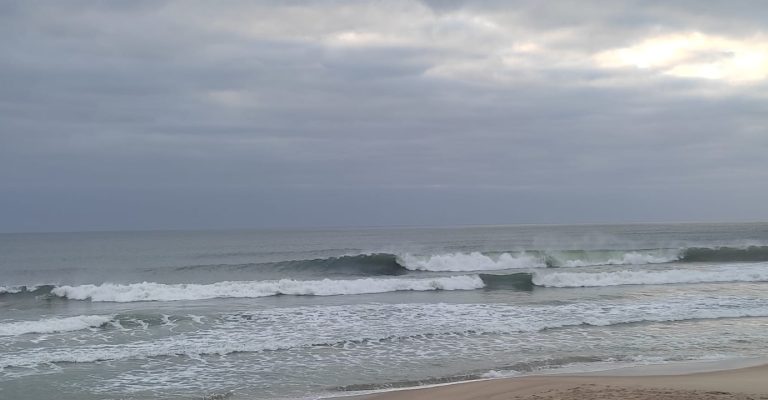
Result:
[277,314]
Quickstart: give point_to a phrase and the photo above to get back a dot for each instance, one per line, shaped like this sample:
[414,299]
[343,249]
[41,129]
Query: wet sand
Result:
[742,384]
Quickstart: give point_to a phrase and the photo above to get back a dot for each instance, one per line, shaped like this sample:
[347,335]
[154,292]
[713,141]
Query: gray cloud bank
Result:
[153,115]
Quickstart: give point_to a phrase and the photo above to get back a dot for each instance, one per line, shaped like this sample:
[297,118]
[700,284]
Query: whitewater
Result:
[312,313]
[150,291]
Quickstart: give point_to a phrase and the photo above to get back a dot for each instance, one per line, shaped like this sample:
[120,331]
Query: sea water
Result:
[312,313]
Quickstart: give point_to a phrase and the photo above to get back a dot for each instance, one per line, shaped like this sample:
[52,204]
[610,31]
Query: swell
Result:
[363,264]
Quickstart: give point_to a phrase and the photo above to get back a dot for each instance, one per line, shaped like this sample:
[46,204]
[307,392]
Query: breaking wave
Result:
[123,321]
[53,325]
[475,261]
[28,291]
[397,264]
[571,259]
[150,291]
[733,273]
[11,289]
[537,268]
[530,259]
[521,281]
[394,264]
[407,322]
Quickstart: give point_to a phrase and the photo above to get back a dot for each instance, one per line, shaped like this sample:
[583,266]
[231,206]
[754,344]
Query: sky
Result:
[257,114]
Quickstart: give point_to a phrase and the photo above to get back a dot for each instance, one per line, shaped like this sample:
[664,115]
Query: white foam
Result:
[733,273]
[11,289]
[422,324]
[53,325]
[151,291]
[474,261]
[494,374]
[630,258]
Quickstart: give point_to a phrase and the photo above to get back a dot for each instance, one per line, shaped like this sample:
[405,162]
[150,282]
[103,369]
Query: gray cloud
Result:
[144,115]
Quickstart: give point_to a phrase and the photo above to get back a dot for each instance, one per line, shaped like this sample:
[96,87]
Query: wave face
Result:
[733,273]
[150,291]
[725,254]
[522,281]
[53,325]
[360,264]
[365,264]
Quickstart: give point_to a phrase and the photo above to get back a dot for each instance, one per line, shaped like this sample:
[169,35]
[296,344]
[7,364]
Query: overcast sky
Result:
[180,114]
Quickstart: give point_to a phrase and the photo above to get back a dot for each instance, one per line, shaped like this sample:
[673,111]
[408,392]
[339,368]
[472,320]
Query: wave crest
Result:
[588,259]
[53,325]
[151,291]
[734,273]
[475,261]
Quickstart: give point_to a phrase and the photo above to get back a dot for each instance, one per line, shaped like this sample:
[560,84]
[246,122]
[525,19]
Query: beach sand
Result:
[743,383]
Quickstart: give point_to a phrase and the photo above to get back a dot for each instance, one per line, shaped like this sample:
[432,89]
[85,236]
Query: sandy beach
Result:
[741,384]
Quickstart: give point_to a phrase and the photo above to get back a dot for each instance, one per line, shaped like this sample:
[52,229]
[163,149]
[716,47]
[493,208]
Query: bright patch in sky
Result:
[695,55]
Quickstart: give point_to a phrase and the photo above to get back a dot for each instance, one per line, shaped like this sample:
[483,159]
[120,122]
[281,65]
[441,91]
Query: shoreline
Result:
[733,379]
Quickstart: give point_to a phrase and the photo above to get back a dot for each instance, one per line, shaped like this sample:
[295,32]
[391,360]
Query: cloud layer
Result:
[145,115]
